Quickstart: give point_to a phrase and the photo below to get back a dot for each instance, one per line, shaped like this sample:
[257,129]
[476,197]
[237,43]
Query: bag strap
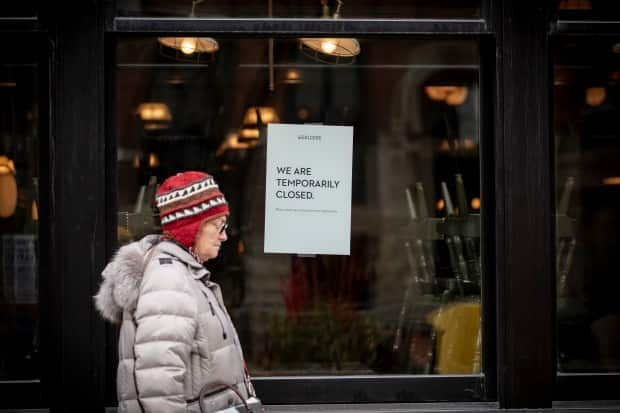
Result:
[248,380]
[220,387]
[147,256]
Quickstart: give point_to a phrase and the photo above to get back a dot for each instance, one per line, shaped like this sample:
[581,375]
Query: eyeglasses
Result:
[222,228]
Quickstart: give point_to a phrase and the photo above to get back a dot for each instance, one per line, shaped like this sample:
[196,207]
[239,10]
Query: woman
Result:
[176,336]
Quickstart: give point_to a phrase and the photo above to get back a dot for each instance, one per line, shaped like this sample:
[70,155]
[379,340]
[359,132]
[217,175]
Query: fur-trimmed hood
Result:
[121,279]
[123,275]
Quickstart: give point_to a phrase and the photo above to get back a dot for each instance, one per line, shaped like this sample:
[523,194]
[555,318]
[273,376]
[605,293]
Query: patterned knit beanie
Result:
[184,201]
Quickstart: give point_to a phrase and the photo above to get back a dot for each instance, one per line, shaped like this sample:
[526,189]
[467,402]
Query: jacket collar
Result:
[197,270]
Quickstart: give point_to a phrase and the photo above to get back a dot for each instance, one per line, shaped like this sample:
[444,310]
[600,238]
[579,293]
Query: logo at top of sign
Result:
[309,137]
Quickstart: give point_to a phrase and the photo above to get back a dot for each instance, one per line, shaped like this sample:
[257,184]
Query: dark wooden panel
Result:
[77,224]
[523,215]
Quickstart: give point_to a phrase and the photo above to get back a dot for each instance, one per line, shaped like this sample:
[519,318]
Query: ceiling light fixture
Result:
[8,187]
[153,160]
[154,115]
[575,5]
[475,203]
[267,114]
[175,80]
[254,118]
[232,142]
[452,95]
[595,96]
[330,49]
[188,49]
[153,111]
[611,180]
[292,77]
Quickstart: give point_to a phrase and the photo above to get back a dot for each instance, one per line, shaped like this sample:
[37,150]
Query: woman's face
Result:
[209,239]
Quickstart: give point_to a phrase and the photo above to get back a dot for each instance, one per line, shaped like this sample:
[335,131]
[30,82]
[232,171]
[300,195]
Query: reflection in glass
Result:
[407,299]
[587,133]
[19,215]
[587,10]
[303,8]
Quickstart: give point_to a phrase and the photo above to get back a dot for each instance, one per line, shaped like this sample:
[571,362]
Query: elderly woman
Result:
[176,338]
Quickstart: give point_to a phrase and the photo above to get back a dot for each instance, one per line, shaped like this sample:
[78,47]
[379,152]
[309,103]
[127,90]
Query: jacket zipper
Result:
[224,335]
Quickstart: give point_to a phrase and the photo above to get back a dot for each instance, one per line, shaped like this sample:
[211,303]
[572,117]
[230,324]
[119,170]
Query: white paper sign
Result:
[308,189]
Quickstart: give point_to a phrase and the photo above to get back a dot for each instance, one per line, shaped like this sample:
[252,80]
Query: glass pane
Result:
[306,8]
[407,299]
[587,98]
[588,10]
[19,174]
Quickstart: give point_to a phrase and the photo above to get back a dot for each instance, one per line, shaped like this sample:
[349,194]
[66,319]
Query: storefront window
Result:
[19,174]
[587,133]
[467,9]
[407,298]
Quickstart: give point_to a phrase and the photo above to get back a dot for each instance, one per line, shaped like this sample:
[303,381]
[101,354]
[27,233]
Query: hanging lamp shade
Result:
[154,115]
[8,187]
[267,115]
[190,45]
[293,77]
[154,111]
[232,142]
[595,96]
[330,50]
[254,118]
[188,49]
[452,95]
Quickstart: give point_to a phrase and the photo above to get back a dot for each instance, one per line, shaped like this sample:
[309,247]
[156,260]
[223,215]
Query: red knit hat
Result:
[185,200]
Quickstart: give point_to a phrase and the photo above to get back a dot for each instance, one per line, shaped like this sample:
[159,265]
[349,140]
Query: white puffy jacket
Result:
[176,335]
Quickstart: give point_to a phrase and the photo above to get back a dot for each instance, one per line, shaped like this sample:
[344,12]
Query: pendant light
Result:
[188,49]
[254,118]
[154,115]
[8,187]
[595,96]
[453,95]
[331,50]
